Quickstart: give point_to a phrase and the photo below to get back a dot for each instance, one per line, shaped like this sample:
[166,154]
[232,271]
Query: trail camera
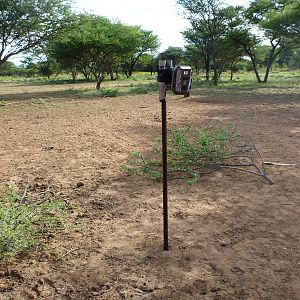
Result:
[165,72]
[177,79]
[182,80]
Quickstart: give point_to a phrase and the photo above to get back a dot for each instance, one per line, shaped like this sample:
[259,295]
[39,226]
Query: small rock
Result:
[52,212]
[105,287]
[215,289]
[222,243]
[122,294]
[79,184]
[95,293]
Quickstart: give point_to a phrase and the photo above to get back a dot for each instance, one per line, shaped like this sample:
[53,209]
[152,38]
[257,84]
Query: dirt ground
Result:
[232,235]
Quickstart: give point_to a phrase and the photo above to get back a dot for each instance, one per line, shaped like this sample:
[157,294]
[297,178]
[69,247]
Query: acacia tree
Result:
[176,54]
[96,45]
[210,23]
[203,17]
[228,56]
[295,60]
[70,58]
[142,41]
[147,62]
[279,20]
[199,44]
[40,58]
[285,58]
[194,57]
[26,24]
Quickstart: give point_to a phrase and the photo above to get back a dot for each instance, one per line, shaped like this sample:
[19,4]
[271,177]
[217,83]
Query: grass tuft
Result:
[25,223]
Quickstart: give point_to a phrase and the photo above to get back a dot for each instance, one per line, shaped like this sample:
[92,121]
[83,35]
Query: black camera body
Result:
[178,79]
[166,76]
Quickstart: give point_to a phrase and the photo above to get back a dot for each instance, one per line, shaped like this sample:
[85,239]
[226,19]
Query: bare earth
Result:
[232,235]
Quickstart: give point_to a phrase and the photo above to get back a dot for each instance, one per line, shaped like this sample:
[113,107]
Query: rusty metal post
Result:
[162,99]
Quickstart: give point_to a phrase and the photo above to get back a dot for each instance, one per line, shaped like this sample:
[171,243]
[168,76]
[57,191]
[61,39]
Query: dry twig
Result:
[26,187]
[277,164]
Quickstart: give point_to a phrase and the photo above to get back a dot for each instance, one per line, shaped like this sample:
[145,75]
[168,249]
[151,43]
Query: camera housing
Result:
[178,79]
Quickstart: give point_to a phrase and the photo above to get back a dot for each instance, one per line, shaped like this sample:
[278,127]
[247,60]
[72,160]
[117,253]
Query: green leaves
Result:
[190,152]
[26,24]
[101,46]
[211,25]
[202,147]
[23,225]
[280,18]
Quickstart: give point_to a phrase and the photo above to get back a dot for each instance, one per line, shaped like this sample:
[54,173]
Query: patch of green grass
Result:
[102,92]
[143,89]
[124,90]
[144,83]
[247,80]
[65,78]
[245,84]
[26,222]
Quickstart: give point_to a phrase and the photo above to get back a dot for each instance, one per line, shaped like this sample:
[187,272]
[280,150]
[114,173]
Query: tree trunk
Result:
[267,72]
[215,77]
[233,63]
[207,68]
[111,73]
[220,71]
[126,73]
[133,63]
[98,83]
[74,75]
[270,62]
[99,78]
[85,73]
[252,57]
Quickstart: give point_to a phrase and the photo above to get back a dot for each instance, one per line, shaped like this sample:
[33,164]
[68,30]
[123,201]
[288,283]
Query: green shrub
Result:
[143,89]
[131,89]
[103,92]
[24,224]
[109,92]
[190,152]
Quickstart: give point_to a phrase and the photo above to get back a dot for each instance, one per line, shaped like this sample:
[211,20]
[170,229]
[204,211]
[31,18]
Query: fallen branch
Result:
[277,164]
[69,252]
[248,171]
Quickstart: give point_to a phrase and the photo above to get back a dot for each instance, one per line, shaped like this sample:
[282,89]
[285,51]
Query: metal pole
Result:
[162,98]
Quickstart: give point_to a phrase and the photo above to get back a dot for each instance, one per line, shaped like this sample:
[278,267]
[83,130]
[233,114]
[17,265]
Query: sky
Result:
[163,17]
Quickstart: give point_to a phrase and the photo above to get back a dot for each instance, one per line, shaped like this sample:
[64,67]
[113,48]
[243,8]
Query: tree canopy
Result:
[224,34]
[143,41]
[26,24]
[279,21]
[211,23]
[99,46]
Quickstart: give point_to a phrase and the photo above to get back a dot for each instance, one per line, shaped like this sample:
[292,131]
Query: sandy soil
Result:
[232,235]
